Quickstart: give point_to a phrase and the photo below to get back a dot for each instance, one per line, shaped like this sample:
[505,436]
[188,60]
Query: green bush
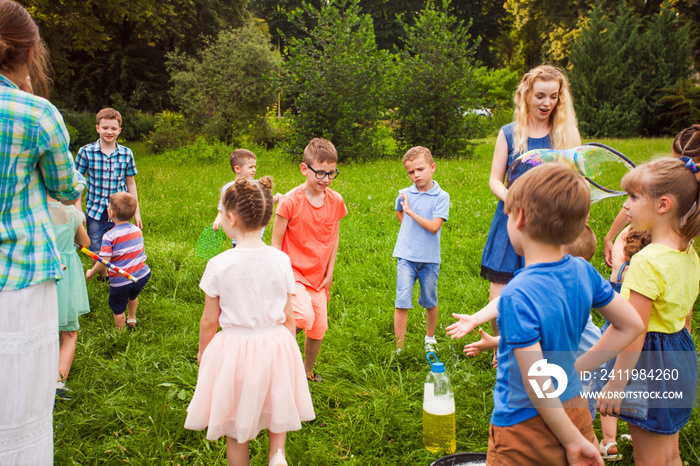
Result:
[83,125]
[621,67]
[434,86]
[225,90]
[169,132]
[337,81]
[681,104]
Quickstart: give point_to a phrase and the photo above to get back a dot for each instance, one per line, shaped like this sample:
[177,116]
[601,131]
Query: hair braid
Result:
[251,201]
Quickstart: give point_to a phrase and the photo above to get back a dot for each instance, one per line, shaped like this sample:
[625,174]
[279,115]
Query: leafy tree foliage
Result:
[116,49]
[620,68]
[337,80]
[681,104]
[435,85]
[224,90]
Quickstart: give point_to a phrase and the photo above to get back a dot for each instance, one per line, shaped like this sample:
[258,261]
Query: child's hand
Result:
[216,225]
[610,398]
[486,343]
[582,452]
[327,282]
[199,357]
[459,329]
[90,273]
[276,198]
[404,204]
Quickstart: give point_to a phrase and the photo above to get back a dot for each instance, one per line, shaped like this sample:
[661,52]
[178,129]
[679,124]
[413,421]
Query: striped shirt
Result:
[123,244]
[34,161]
[106,174]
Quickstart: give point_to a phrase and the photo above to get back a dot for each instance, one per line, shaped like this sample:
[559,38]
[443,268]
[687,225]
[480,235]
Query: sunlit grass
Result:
[132,389]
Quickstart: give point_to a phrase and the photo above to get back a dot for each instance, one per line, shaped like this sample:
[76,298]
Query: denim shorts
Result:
[406,274]
[96,228]
[119,296]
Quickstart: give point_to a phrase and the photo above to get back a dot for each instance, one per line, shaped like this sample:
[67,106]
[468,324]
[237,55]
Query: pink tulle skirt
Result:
[250,380]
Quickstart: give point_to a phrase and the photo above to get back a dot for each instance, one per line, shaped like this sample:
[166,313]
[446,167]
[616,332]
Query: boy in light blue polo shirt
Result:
[421,209]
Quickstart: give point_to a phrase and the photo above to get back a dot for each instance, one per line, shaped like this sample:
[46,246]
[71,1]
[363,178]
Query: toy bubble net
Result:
[602,166]
[211,243]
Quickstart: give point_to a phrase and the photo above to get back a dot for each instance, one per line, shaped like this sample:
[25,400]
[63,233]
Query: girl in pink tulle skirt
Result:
[251,374]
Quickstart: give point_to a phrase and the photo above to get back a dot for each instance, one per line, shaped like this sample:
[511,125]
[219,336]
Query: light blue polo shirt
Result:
[415,243]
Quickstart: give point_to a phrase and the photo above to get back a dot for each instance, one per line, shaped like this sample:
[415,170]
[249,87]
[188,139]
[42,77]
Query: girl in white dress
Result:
[251,374]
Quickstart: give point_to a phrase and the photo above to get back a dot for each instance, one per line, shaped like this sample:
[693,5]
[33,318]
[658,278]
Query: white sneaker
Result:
[278,459]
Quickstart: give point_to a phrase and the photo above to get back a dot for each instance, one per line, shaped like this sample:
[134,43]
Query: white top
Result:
[252,285]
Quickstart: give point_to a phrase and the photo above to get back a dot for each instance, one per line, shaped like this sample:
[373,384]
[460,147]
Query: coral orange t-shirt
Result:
[310,234]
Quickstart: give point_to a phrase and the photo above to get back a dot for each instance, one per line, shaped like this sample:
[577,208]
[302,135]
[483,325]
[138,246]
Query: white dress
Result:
[251,376]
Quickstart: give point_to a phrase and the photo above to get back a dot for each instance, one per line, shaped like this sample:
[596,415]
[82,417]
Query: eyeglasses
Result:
[321,174]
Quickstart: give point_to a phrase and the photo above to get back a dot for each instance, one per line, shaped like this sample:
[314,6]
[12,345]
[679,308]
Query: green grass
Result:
[132,389]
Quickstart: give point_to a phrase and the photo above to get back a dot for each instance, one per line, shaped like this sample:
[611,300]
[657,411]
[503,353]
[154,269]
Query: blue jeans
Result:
[96,228]
[407,273]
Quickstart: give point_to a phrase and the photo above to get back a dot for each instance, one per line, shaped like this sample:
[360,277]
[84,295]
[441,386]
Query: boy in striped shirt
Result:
[123,247]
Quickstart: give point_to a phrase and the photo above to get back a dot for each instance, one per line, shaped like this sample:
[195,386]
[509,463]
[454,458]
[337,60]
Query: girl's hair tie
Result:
[689,164]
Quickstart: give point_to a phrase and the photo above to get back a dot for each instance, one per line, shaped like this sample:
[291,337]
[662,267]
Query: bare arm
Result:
[289,314]
[97,268]
[433,225]
[218,221]
[626,360]
[278,230]
[81,237]
[579,450]
[466,322]
[617,225]
[498,167]
[328,280]
[209,324]
[399,215]
[131,188]
[625,326]
[486,343]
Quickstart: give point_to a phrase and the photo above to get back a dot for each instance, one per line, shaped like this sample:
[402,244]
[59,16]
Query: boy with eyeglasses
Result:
[307,229]
[421,209]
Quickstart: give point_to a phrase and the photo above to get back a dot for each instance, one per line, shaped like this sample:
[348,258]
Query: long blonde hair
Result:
[564,127]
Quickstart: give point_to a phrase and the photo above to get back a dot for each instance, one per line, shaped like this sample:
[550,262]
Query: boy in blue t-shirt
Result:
[542,313]
[421,209]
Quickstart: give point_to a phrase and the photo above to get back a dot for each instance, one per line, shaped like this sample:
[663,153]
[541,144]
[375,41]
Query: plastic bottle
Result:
[439,423]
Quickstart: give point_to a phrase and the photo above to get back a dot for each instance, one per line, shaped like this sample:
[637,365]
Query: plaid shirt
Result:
[34,160]
[106,174]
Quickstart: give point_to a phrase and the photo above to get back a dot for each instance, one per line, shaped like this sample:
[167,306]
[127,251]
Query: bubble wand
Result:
[109,265]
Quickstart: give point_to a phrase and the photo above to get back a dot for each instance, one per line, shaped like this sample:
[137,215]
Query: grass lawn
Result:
[131,389]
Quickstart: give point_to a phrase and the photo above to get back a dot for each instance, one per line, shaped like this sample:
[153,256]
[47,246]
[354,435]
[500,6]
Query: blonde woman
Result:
[544,118]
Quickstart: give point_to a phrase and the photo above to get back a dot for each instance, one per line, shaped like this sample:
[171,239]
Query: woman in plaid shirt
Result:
[34,161]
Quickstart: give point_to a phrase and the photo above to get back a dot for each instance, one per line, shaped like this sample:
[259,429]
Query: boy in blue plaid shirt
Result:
[108,168]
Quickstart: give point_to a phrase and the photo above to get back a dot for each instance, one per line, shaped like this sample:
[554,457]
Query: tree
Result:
[116,50]
[336,78]
[621,67]
[226,88]
[434,86]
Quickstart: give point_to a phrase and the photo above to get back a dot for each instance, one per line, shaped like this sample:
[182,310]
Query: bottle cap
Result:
[436,366]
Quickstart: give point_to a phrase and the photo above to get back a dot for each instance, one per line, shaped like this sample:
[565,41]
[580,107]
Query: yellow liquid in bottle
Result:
[439,432]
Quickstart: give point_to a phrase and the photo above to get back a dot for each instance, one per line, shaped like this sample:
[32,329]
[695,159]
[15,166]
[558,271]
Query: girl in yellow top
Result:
[662,285]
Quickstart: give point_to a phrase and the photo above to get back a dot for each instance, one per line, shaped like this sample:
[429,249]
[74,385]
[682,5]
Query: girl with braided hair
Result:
[251,374]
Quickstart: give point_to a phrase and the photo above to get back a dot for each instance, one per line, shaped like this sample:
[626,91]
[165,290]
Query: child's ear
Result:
[232,218]
[664,204]
[520,219]
[302,167]
[236,169]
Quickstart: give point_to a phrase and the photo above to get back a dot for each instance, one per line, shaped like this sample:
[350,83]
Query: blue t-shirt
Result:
[415,243]
[549,303]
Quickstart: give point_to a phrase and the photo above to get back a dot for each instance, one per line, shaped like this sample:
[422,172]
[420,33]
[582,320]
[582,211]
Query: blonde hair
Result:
[321,151]
[555,201]
[20,44]
[417,151]
[667,176]
[124,205]
[564,127]
[251,201]
[584,245]
[108,114]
